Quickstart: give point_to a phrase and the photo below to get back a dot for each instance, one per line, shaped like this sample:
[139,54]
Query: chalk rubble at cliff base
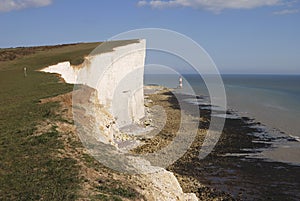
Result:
[98,118]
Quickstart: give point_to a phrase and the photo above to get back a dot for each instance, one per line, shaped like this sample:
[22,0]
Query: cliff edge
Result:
[108,95]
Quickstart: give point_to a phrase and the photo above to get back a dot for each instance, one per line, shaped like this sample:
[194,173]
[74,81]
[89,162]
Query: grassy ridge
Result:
[27,170]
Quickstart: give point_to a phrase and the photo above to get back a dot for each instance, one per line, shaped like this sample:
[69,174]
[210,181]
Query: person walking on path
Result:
[25,72]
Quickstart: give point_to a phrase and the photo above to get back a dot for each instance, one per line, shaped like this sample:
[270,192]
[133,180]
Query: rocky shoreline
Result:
[231,171]
[93,122]
[228,173]
[158,99]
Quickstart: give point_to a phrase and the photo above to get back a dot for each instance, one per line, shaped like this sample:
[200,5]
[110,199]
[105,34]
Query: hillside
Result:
[41,156]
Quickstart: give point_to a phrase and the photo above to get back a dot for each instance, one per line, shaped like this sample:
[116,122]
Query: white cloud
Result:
[9,5]
[142,3]
[286,12]
[213,5]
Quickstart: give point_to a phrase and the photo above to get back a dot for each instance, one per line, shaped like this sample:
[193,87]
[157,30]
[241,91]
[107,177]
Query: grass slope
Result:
[27,169]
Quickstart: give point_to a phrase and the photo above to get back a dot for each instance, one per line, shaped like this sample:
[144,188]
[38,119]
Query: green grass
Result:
[114,191]
[27,170]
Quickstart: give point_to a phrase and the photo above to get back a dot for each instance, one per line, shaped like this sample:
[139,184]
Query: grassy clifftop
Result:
[30,140]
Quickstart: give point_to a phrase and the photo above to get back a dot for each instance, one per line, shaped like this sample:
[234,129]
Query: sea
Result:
[272,100]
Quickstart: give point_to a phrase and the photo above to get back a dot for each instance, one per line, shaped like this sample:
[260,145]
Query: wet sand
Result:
[232,171]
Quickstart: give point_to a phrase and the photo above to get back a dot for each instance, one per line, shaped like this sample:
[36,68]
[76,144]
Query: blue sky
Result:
[242,36]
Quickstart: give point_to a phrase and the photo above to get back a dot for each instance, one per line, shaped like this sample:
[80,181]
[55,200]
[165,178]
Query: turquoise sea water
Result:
[273,100]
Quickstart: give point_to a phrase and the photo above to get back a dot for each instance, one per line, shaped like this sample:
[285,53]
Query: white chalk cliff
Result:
[116,76]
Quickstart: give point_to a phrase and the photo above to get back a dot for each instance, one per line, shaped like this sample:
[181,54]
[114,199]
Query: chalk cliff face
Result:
[116,75]
[113,97]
